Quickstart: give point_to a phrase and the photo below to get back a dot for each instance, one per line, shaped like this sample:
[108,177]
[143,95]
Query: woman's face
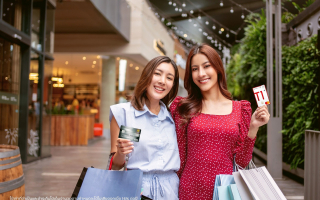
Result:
[162,82]
[203,73]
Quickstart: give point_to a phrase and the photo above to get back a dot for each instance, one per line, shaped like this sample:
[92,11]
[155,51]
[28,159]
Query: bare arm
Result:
[122,147]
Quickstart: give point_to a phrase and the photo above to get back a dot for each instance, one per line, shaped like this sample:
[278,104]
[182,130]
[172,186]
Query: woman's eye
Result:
[207,66]
[194,69]
[157,73]
[170,78]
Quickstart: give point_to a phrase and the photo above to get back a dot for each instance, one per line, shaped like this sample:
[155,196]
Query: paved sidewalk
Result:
[57,176]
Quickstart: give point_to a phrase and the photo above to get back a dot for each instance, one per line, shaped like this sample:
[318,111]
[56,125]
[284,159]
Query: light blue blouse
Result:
[157,149]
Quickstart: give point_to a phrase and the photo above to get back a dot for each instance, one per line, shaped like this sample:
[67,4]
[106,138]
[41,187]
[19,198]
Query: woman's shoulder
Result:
[244,106]
[125,106]
[175,103]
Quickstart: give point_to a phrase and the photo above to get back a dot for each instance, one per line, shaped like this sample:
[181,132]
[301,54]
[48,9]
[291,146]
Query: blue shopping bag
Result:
[222,180]
[100,183]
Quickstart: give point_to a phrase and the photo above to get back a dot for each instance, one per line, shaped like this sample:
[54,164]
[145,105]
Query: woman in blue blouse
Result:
[156,153]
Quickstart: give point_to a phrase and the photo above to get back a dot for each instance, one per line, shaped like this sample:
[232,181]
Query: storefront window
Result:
[47,108]
[49,37]
[9,92]
[35,26]
[15,13]
[33,146]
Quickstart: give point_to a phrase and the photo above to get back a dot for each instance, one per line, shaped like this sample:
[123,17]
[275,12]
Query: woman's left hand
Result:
[260,117]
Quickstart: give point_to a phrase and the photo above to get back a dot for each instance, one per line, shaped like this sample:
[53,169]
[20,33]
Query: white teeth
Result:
[159,89]
[204,81]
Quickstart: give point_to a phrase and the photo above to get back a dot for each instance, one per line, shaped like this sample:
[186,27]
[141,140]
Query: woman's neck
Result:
[153,105]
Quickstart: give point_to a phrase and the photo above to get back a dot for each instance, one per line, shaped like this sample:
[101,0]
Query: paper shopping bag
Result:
[242,186]
[233,192]
[221,180]
[261,184]
[100,183]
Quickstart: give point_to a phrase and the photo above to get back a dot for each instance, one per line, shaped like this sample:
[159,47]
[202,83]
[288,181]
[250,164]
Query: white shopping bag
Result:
[242,187]
[261,184]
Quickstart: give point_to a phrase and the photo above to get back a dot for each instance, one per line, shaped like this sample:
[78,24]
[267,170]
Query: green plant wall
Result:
[300,65]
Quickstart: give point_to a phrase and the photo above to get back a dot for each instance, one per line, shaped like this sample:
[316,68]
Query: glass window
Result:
[33,146]
[36,29]
[16,13]
[49,37]
[47,108]
[9,92]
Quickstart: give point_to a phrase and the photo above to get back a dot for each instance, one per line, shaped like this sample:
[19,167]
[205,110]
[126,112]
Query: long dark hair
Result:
[192,104]
[140,92]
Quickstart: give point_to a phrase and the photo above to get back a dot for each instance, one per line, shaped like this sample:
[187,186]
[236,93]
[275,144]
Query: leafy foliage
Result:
[300,68]
[247,69]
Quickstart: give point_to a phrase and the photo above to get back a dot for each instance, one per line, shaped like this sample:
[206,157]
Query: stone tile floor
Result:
[57,176]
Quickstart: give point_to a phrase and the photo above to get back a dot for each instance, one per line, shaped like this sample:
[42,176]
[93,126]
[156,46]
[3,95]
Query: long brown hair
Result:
[192,104]
[140,92]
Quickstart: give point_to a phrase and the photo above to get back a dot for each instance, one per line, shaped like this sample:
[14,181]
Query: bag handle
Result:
[236,167]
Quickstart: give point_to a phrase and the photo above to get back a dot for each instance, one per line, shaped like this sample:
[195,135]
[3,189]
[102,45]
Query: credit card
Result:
[261,95]
[129,133]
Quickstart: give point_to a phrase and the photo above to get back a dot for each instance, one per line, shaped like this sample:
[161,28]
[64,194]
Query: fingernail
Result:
[131,143]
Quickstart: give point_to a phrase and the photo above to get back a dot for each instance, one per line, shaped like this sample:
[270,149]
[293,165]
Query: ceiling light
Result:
[94,62]
[84,58]
[98,57]
[137,68]
[231,10]
[66,62]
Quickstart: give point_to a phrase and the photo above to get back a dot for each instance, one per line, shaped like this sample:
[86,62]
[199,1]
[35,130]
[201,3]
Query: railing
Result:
[312,165]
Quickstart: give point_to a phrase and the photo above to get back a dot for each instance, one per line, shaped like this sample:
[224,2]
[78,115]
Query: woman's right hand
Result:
[124,146]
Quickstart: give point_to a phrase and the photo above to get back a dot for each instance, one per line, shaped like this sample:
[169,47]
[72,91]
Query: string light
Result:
[183,4]
[242,16]
[200,29]
[180,9]
[221,3]
[176,9]
[190,20]
[214,27]
[199,16]
[227,35]
[212,41]
[195,25]
[170,2]
[174,4]
[207,23]
[231,10]
[191,11]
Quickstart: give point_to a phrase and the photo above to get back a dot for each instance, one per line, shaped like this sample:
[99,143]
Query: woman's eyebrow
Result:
[201,64]
[162,72]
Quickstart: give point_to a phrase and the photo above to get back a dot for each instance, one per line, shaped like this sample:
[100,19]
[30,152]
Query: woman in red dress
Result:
[211,127]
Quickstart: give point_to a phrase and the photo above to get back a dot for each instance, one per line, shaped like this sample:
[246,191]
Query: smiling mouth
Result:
[204,80]
[158,89]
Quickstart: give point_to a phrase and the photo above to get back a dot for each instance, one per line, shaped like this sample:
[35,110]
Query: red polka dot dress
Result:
[207,148]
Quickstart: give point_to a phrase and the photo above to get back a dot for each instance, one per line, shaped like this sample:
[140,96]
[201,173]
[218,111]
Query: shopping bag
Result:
[221,180]
[98,183]
[261,184]
[233,192]
[223,193]
[242,186]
